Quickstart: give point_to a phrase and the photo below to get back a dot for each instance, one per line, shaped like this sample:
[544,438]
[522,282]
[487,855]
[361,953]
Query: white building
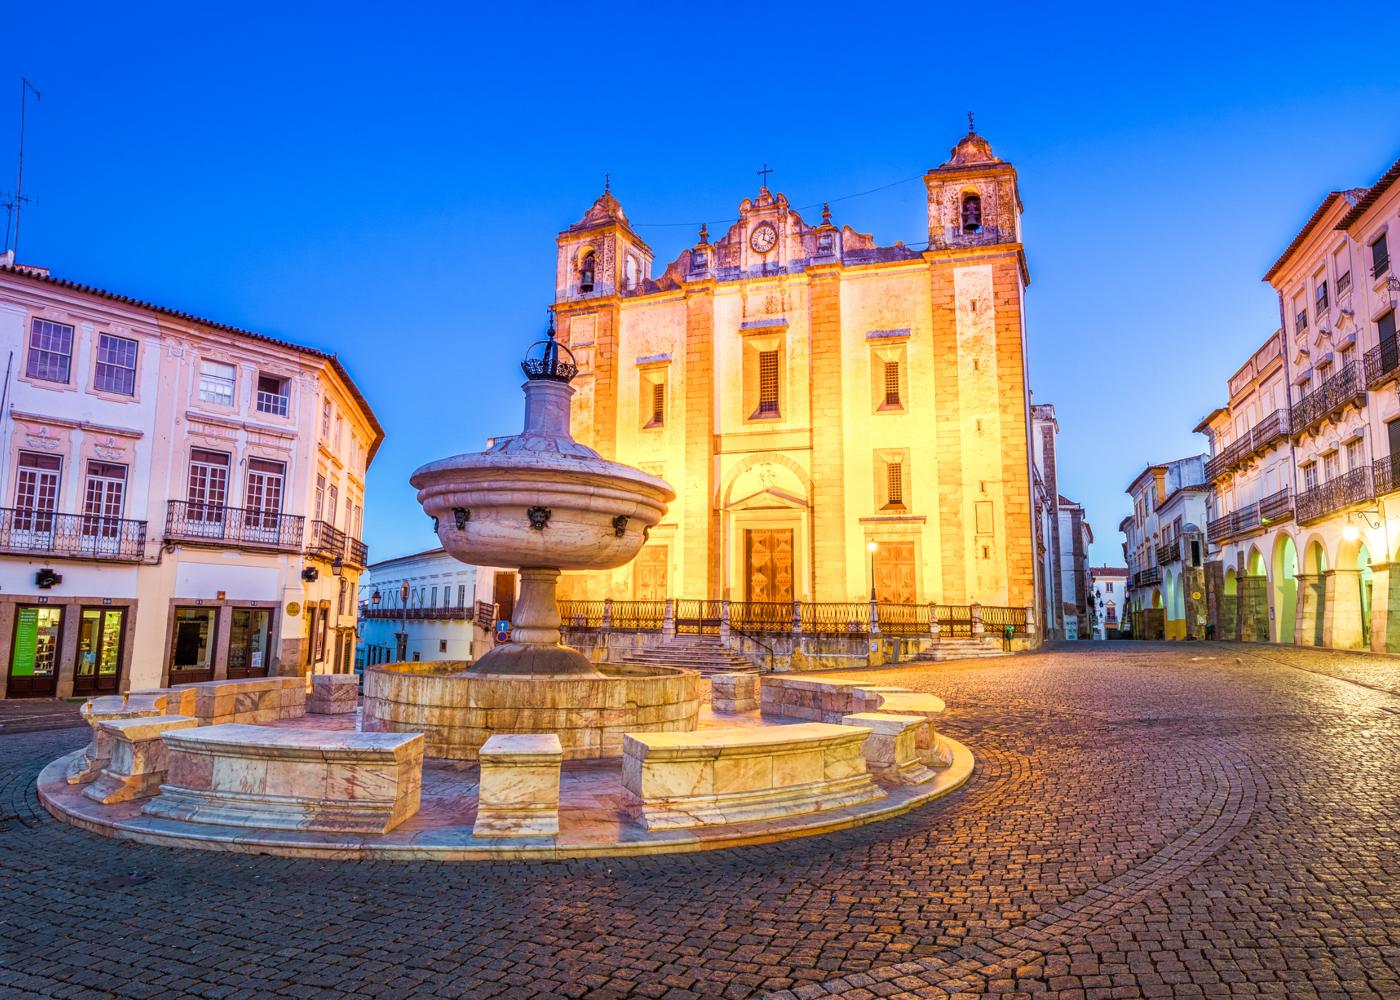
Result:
[429,606]
[1109,587]
[1165,550]
[180,500]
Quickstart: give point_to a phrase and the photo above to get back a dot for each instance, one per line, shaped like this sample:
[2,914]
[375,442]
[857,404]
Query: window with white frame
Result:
[326,419]
[274,394]
[216,381]
[50,351]
[1355,457]
[116,365]
[1330,466]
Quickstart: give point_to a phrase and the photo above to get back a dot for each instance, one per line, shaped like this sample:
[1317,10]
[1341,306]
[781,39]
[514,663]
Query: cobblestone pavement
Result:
[1189,820]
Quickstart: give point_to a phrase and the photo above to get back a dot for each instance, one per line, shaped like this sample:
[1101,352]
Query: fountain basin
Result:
[457,711]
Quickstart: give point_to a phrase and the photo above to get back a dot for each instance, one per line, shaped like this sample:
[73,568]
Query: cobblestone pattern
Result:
[1146,820]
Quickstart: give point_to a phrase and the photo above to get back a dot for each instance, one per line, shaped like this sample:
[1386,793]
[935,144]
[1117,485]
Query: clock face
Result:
[763,238]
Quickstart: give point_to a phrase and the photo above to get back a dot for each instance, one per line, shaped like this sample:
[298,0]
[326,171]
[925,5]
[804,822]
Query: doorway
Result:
[504,596]
[34,652]
[192,645]
[249,642]
[97,669]
[894,573]
[768,564]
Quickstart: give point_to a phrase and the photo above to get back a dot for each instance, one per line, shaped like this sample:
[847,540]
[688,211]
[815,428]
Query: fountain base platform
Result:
[535,660]
[457,710]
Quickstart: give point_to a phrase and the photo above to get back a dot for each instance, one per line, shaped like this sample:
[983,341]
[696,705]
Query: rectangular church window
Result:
[891,383]
[768,383]
[658,405]
[894,484]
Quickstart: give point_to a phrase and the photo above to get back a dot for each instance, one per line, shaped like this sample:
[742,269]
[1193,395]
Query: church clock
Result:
[763,238]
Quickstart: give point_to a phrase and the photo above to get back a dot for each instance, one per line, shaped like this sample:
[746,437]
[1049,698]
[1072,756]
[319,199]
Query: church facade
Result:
[837,417]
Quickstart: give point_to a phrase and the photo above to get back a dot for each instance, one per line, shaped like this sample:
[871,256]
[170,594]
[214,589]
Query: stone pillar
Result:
[796,617]
[1380,607]
[829,526]
[1391,624]
[977,628]
[1254,608]
[724,621]
[1307,619]
[874,618]
[1341,622]
[694,508]
[607,613]
[933,620]
[668,622]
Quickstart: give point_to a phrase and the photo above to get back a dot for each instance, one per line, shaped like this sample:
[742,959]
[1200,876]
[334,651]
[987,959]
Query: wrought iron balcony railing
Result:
[1169,552]
[78,536]
[1349,488]
[325,540]
[419,614]
[215,524]
[1336,392]
[1147,577]
[356,553]
[1252,442]
[1382,363]
[1385,474]
[1252,517]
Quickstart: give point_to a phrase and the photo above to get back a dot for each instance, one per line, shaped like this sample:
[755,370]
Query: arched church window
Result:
[972,213]
[629,273]
[585,272]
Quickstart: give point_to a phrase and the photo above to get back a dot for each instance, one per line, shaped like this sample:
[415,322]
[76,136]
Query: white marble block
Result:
[334,694]
[721,776]
[518,794]
[291,779]
[137,766]
[734,692]
[96,711]
[892,748]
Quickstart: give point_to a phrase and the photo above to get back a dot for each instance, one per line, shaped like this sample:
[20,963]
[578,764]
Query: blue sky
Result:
[390,188]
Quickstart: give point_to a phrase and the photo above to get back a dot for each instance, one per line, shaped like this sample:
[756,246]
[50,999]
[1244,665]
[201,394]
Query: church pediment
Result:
[769,499]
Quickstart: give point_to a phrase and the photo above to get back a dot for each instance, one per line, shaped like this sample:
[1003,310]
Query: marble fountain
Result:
[533,751]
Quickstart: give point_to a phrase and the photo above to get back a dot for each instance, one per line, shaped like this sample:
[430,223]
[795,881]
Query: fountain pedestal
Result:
[535,649]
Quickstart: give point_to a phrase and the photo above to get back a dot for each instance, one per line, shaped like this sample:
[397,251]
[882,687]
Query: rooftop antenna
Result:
[9,202]
[24,88]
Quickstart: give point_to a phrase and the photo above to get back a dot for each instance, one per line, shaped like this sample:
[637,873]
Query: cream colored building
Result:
[1165,550]
[812,395]
[1327,574]
[180,500]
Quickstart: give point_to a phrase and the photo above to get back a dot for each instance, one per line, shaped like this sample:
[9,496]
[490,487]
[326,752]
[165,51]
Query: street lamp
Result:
[403,601]
[374,598]
[871,547]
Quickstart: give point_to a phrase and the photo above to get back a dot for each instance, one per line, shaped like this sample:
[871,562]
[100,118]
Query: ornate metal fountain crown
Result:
[543,360]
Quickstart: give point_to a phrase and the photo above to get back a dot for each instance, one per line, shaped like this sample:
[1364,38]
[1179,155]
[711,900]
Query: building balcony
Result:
[1385,474]
[418,614]
[1253,442]
[1256,516]
[356,553]
[1356,486]
[71,536]
[1147,577]
[1333,395]
[232,527]
[325,540]
[1169,552]
[1382,364]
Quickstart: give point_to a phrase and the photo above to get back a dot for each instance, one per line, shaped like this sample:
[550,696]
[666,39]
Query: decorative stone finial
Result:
[971,129]
[704,234]
[826,213]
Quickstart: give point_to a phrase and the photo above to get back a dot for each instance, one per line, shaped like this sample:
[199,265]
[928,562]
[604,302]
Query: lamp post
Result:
[871,547]
[403,641]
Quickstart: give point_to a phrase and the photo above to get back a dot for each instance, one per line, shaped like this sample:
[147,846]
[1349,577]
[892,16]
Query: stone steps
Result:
[704,654]
[960,649]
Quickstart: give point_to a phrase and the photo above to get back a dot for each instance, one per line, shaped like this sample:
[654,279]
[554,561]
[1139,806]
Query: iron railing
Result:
[1382,363]
[418,614]
[1385,473]
[1270,510]
[214,524]
[995,619]
[904,619]
[1169,552]
[639,616]
[1332,395]
[953,619]
[84,536]
[325,540]
[761,616]
[835,618]
[1147,577]
[581,614]
[699,617]
[356,552]
[1250,443]
[1349,488]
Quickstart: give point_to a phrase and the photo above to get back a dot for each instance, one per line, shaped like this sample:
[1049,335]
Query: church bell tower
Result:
[972,198]
[600,255]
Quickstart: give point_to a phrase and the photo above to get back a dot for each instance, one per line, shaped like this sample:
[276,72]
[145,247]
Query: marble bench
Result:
[518,790]
[106,708]
[290,779]
[737,692]
[892,751]
[334,694]
[816,700]
[721,776]
[137,765]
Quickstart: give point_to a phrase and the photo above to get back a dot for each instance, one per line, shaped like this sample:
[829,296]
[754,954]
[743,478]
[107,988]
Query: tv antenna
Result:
[20,200]
[9,202]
